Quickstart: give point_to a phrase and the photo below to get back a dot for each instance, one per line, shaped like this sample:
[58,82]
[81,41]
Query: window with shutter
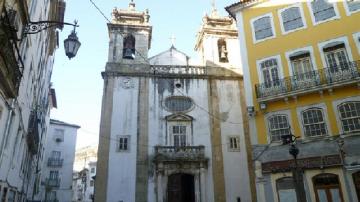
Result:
[353,5]
[322,10]
[262,28]
[292,19]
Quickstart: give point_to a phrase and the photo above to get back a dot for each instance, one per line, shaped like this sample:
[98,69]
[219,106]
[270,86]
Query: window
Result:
[222,49]
[54,174]
[51,196]
[91,183]
[327,187]
[59,135]
[291,19]
[179,130]
[313,122]
[129,47]
[336,57]
[350,116]
[301,64]
[353,5]
[92,170]
[269,69]
[286,189]
[11,196]
[278,126]
[124,143]
[178,103]
[263,28]
[322,10]
[234,143]
[179,136]
[55,154]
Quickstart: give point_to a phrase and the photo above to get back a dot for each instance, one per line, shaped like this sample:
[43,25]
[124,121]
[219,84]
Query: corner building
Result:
[171,130]
[301,76]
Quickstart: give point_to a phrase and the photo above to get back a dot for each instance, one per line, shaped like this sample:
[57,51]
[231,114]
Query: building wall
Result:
[18,171]
[67,150]
[313,37]
[282,44]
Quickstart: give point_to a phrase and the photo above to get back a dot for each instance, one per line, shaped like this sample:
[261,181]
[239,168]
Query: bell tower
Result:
[217,42]
[130,36]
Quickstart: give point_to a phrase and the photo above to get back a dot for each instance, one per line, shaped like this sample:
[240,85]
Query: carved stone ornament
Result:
[127,83]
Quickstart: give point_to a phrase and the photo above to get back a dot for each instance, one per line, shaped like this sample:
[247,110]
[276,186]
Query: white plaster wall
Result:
[67,149]
[197,90]
[237,181]
[122,165]
[35,81]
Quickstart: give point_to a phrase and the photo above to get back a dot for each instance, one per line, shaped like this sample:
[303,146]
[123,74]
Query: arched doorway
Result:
[180,188]
[327,188]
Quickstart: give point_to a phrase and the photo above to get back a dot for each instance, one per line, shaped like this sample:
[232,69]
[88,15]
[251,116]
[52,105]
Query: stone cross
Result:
[172,39]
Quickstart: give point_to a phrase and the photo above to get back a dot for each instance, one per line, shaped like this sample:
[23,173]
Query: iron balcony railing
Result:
[53,182]
[55,162]
[191,153]
[311,81]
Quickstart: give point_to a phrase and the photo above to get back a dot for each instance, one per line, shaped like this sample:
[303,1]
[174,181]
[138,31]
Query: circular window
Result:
[178,104]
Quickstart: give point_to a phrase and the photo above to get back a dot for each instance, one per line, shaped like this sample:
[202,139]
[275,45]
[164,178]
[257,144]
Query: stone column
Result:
[202,183]
[197,186]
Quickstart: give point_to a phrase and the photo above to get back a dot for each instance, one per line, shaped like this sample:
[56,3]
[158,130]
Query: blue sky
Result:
[78,81]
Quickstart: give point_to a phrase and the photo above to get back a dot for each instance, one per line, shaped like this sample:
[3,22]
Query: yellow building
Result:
[301,64]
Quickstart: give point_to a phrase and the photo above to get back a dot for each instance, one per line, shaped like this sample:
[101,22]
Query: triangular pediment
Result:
[179,117]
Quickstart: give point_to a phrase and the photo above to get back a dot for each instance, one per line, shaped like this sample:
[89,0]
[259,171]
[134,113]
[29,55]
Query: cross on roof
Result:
[173,40]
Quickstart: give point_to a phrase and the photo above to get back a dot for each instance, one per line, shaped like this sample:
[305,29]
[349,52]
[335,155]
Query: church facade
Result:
[172,130]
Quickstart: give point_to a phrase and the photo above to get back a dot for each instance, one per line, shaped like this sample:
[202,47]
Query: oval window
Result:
[178,104]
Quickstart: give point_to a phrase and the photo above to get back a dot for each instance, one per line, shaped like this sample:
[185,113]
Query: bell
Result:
[128,53]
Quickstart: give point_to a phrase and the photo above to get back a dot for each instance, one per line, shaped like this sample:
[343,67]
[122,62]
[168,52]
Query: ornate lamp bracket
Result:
[36,27]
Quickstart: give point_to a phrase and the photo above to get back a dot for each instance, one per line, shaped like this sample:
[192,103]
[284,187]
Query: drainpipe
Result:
[7,128]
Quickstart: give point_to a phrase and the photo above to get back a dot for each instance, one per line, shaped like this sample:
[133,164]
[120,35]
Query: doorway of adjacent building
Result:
[356,178]
[327,188]
[180,188]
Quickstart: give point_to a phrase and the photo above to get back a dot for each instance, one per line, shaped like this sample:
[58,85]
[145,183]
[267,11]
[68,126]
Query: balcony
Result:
[33,136]
[55,162]
[11,64]
[318,80]
[53,182]
[186,153]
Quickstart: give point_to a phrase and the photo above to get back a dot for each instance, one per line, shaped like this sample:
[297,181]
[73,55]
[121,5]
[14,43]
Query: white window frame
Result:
[298,5]
[340,39]
[337,15]
[347,9]
[187,124]
[356,37]
[237,142]
[270,114]
[272,28]
[322,106]
[118,143]
[280,68]
[304,49]
[335,105]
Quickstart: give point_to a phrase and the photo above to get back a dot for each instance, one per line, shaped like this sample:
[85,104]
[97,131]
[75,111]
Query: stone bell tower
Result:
[217,42]
[130,36]
[129,42]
